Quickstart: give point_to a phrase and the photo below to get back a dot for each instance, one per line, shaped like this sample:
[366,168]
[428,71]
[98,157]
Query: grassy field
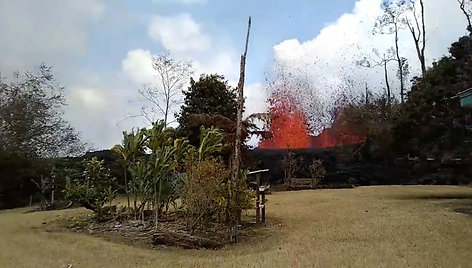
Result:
[395,226]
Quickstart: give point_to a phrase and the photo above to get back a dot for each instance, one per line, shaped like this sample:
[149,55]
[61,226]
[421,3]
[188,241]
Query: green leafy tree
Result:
[31,117]
[210,95]
[32,129]
[433,122]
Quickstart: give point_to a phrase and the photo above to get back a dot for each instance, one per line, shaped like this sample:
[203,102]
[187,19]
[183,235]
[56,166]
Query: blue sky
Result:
[124,27]
[101,50]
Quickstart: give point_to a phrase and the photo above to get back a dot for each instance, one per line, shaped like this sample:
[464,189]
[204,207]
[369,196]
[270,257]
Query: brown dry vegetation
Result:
[393,226]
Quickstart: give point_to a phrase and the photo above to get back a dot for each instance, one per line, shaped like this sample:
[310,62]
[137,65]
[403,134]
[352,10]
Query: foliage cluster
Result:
[32,131]
[31,117]
[95,189]
[433,123]
[165,168]
[210,95]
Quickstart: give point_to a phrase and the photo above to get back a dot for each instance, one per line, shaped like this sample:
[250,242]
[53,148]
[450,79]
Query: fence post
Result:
[263,206]
[258,198]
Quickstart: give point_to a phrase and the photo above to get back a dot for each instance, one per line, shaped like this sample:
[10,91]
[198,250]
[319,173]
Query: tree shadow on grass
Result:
[435,196]
[458,202]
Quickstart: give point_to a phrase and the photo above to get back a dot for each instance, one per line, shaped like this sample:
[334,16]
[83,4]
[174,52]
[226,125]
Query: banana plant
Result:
[182,152]
[163,161]
[141,187]
[130,150]
[211,142]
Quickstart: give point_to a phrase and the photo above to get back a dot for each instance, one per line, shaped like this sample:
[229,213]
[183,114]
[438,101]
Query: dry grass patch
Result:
[363,227]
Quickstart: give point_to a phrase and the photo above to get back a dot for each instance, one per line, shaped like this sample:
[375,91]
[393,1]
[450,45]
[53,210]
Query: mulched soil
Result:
[140,234]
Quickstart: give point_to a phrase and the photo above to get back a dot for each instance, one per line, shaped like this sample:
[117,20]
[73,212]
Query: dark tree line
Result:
[433,121]
[31,117]
[32,131]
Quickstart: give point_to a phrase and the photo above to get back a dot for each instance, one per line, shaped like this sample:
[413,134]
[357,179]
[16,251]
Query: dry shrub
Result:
[206,195]
[317,172]
[201,190]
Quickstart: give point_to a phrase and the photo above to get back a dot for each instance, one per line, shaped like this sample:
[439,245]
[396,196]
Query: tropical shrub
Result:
[140,187]
[95,189]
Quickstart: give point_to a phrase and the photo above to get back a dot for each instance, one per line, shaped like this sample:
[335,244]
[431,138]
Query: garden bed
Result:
[171,232]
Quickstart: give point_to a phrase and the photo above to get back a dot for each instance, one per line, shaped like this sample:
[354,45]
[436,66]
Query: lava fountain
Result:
[289,129]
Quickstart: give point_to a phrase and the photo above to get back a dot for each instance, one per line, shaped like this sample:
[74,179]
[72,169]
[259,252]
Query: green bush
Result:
[95,189]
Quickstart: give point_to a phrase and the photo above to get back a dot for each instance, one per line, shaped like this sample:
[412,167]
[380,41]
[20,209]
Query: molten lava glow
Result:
[333,137]
[288,127]
[289,130]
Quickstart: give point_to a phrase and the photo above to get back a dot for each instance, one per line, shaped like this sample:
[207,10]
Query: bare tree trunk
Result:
[387,84]
[126,184]
[467,15]
[400,68]
[239,125]
[419,37]
[156,214]
[43,194]
[53,186]
[423,63]
[167,111]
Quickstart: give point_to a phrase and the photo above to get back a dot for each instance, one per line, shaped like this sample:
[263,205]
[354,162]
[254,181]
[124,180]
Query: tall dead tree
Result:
[417,28]
[380,60]
[466,6]
[236,162]
[392,21]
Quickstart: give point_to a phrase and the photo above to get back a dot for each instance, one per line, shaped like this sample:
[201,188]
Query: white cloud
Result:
[255,96]
[178,33]
[223,63]
[89,98]
[138,66]
[44,31]
[324,67]
[98,110]
[182,36]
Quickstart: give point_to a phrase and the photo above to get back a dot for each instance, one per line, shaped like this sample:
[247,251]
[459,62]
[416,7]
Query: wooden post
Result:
[263,206]
[43,193]
[258,198]
[239,125]
[53,186]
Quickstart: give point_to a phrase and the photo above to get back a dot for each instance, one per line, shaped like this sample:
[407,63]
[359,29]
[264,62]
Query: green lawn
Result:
[395,226]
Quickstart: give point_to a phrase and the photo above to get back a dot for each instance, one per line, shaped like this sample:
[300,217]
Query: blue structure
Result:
[465,98]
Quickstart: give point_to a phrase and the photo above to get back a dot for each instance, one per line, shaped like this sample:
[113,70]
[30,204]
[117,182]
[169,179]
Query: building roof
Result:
[463,94]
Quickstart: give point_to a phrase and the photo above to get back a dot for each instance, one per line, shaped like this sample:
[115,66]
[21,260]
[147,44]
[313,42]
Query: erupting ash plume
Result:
[298,109]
